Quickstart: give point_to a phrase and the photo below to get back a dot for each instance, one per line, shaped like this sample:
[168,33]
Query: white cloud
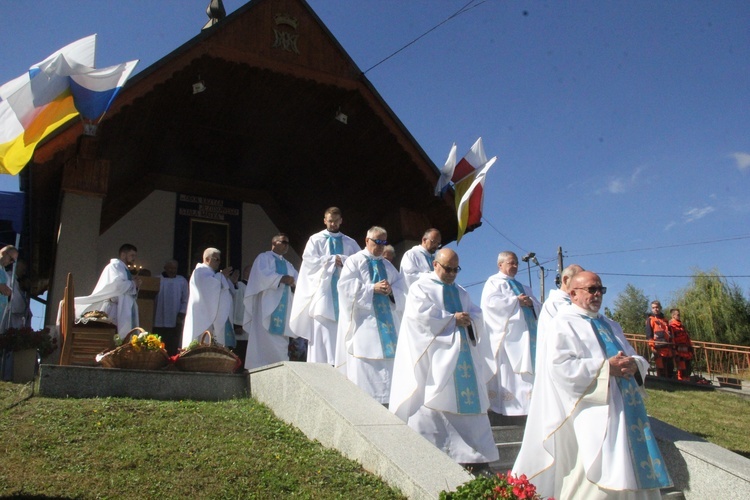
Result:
[616,186]
[620,185]
[670,225]
[742,159]
[697,213]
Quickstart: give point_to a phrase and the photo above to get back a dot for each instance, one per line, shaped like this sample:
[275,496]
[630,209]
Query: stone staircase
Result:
[508,434]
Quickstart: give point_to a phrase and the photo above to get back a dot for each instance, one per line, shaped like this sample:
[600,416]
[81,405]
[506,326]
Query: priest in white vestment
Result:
[556,299]
[442,366]
[418,259]
[210,301]
[371,301]
[587,435]
[315,309]
[268,300]
[170,306]
[115,293]
[510,315]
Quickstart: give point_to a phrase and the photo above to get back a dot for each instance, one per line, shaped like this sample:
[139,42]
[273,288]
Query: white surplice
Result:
[359,351]
[313,315]
[114,294]
[574,445]
[415,261]
[209,305]
[423,392]
[555,300]
[171,300]
[264,293]
[510,388]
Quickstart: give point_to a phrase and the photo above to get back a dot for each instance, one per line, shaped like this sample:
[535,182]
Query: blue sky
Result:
[622,129]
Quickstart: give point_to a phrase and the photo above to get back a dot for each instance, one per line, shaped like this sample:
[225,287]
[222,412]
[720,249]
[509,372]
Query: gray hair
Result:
[210,252]
[505,255]
[376,230]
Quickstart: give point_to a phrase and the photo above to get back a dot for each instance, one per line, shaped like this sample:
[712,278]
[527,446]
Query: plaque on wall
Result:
[202,222]
[208,234]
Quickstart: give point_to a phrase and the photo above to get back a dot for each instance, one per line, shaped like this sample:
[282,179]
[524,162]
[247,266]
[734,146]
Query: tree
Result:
[631,307]
[714,309]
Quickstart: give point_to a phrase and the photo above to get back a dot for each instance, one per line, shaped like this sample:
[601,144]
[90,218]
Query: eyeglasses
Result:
[283,242]
[447,269]
[593,289]
[379,242]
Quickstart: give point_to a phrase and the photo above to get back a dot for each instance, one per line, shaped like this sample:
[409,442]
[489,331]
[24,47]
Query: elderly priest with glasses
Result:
[371,301]
[442,366]
[587,435]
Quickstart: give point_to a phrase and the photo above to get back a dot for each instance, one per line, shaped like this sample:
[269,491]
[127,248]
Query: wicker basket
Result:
[208,358]
[127,357]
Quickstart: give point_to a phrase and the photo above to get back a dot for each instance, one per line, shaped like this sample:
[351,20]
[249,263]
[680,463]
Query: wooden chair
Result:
[81,342]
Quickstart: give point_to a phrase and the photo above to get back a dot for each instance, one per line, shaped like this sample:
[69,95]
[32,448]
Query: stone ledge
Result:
[95,382]
[324,405]
[701,469]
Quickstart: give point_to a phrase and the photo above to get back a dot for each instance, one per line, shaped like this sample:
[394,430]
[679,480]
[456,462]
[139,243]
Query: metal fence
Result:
[711,359]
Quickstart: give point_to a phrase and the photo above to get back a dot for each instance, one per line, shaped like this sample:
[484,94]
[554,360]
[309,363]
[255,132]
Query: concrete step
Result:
[672,494]
[507,433]
[502,420]
[508,453]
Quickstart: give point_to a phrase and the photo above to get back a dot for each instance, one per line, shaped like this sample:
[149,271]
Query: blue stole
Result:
[530,317]
[133,317]
[464,375]
[381,306]
[335,247]
[648,464]
[429,259]
[277,326]
[229,339]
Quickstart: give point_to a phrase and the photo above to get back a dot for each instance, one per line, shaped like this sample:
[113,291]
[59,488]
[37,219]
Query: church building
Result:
[254,126]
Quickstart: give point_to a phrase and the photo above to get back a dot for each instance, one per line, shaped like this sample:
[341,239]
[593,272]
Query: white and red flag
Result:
[468,177]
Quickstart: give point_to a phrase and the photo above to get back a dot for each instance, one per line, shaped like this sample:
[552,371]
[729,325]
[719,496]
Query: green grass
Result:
[718,417]
[125,448]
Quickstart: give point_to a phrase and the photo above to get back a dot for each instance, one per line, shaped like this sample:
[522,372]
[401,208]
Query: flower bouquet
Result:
[19,352]
[19,339]
[205,355]
[499,486]
[139,350]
